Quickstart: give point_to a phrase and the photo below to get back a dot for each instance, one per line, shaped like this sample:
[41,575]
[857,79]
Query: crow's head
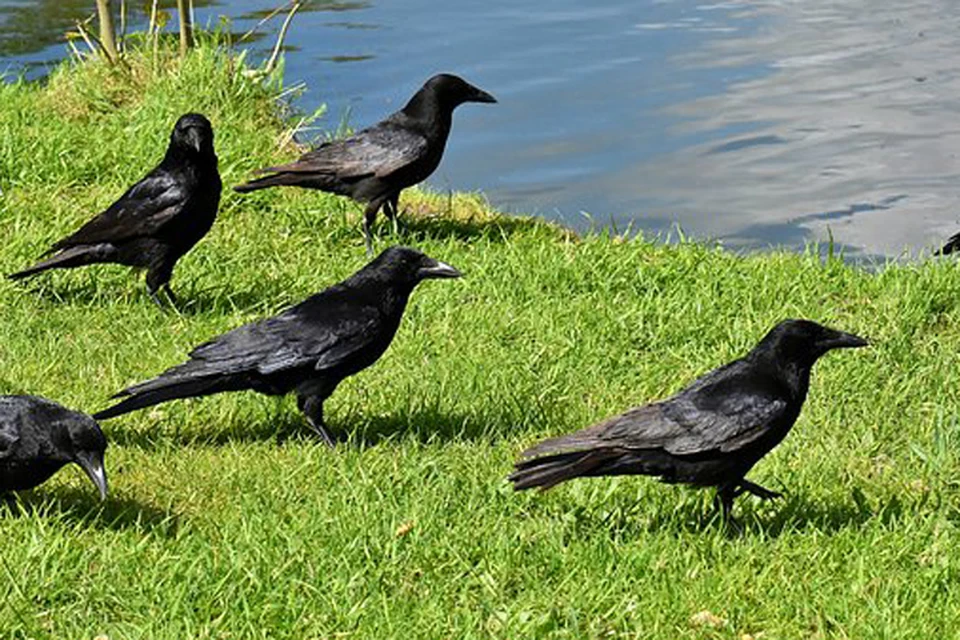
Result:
[87,446]
[68,436]
[193,133]
[803,341]
[406,266]
[451,91]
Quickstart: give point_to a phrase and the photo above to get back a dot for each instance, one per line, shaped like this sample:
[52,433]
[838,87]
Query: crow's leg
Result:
[392,211]
[173,299]
[723,501]
[158,277]
[312,408]
[369,216]
[761,492]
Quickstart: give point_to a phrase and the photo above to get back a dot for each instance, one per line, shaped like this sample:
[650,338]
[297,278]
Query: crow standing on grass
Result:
[38,437]
[157,220]
[377,163]
[710,433]
[308,349]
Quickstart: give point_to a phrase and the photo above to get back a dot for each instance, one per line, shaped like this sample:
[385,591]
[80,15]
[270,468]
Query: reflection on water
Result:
[862,102]
[29,27]
[757,122]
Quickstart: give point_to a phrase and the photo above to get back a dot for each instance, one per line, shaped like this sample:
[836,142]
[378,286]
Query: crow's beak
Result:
[439,270]
[92,465]
[194,139]
[479,95]
[844,340]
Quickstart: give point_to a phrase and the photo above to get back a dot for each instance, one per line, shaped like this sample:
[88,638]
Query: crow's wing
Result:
[9,437]
[722,411]
[322,332]
[140,212]
[286,342]
[14,419]
[378,151]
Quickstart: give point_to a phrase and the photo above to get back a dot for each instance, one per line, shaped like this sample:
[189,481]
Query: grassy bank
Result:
[215,531]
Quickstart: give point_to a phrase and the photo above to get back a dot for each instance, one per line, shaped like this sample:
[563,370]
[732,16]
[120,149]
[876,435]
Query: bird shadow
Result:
[190,302]
[283,425]
[772,519]
[421,227]
[82,507]
[80,292]
[426,426]
[153,438]
[217,301]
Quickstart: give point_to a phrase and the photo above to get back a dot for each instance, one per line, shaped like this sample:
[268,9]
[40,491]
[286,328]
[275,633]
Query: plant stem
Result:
[186,28]
[107,38]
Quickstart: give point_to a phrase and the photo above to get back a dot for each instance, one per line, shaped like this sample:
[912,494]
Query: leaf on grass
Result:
[404,529]
[706,619]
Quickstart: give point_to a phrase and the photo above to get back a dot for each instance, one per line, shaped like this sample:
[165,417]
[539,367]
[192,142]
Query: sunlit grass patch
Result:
[408,529]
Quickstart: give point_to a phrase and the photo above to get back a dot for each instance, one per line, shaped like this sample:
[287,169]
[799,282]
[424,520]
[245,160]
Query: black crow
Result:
[157,220]
[38,436]
[709,434]
[307,349]
[953,244]
[375,164]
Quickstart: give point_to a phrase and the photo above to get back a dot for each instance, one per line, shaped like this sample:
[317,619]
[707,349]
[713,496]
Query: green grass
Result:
[213,530]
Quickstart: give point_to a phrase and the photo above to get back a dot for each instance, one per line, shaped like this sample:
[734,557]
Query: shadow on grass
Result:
[190,302]
[82,292]
[83,507]
[218,301]
[429,425]
[284,423]
[440,227]
[169,434]
[696,514]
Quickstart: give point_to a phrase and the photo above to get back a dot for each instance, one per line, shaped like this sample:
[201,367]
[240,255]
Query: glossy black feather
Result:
[709,434]
[307,349]
[38,437]
[951,246]
[376,164]
[158,219]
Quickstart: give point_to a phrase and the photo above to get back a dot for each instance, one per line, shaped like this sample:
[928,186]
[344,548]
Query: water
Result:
[757,123]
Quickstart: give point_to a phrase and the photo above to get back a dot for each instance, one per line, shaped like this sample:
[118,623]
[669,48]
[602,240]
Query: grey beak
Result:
[439,270]
[480,95]
[845,340]
[193,138]
[92,465]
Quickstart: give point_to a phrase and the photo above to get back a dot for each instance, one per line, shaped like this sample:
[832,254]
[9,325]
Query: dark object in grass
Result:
[375,164]
[952,245]
[308,349]
[710,434]
[157,220]
[38,437]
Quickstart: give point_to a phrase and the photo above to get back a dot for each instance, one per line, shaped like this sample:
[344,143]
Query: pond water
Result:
[756,123]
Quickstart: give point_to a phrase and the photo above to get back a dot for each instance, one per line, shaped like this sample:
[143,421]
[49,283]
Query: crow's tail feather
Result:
[549,471]
[161,390]
[67,259]
[273,180]
[953,245]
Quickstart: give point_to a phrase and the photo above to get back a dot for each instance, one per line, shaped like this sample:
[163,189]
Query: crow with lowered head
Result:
[38,437]
[377,163]
[307,349]
[157,220]
[709,434]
